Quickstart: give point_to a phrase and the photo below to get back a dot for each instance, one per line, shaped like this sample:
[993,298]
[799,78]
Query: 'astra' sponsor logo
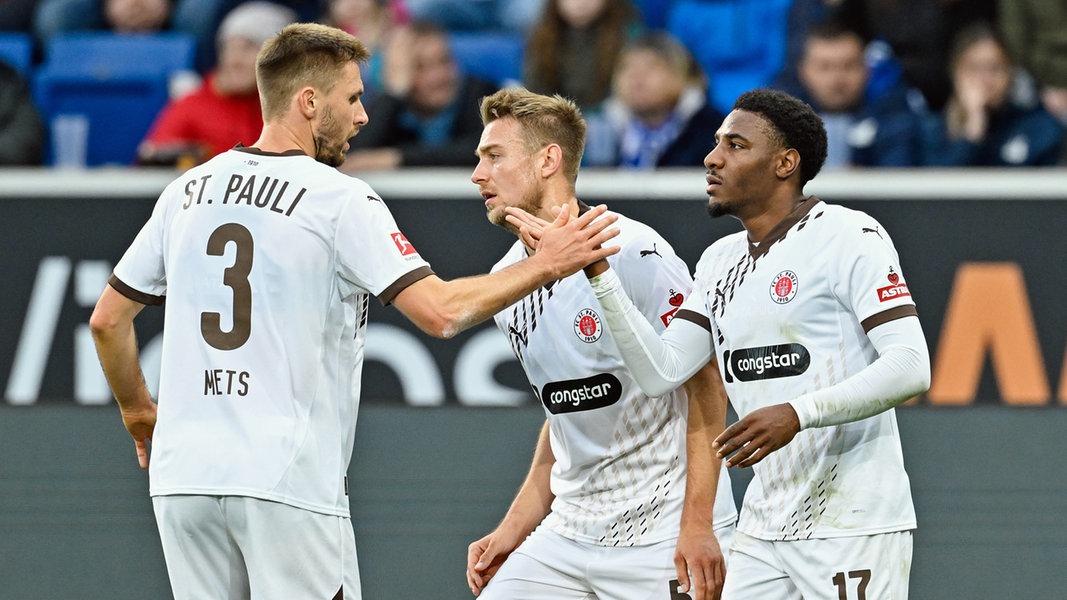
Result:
[766,362]
[576,395]
[893,291]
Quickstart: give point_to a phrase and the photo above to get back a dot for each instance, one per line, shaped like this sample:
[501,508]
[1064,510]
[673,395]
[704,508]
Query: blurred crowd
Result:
[898,83]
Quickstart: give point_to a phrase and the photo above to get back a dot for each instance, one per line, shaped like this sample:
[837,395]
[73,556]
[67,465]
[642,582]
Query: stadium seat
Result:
[16,49]
[654,12]
[493,56]
[119,82]
[740,44]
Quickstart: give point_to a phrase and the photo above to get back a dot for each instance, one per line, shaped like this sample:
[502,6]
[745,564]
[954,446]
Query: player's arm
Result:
[444,308]
[658,363]
[531,505]
[698,558]
[116,344]
[901,371]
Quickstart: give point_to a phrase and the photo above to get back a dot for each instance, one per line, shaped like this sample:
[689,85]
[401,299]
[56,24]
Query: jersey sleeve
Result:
[872,282]
[140,274]
[654,277]
[372,253]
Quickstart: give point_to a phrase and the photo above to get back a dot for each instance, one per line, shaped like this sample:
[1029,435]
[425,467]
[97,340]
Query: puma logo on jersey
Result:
[874,231]
[645,253]
[402,244]
[374,198]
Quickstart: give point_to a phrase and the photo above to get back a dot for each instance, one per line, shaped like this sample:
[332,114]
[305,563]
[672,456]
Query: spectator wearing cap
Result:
[224,110]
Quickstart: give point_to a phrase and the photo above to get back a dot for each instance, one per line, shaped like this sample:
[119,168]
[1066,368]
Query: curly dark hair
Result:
[795,126]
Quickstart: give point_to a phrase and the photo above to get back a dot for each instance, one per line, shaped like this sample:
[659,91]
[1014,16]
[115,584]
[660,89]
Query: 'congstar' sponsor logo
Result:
[766,362]
[575,395]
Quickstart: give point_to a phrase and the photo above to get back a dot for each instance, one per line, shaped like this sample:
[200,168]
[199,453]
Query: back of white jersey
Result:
[267,263]
[790,317]
[619,475]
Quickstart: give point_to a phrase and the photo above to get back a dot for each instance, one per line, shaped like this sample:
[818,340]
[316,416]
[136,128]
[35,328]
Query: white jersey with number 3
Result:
[619,475]
[267,263]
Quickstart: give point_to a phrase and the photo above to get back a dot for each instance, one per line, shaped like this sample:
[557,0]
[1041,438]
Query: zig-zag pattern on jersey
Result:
[524,318]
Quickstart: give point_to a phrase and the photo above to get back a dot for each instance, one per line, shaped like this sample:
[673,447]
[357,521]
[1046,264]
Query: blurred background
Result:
[946,123]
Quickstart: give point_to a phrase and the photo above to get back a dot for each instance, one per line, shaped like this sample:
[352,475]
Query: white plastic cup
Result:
[70,139]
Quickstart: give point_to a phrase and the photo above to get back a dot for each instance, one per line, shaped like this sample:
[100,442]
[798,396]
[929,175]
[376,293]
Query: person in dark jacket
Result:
[428,116]
[867,125]
[658,114]
[981,124]
[22,134]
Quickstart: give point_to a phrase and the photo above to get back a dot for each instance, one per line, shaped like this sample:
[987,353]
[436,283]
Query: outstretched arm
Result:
[529,508]
[116,344]
[698,558]
[444,308]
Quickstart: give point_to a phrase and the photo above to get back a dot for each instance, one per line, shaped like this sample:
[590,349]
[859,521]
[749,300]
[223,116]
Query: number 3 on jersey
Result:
[236,278]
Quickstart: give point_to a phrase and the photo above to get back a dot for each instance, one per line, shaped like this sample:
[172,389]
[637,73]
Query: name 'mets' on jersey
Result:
[790,316]
[267,280]
[620,457]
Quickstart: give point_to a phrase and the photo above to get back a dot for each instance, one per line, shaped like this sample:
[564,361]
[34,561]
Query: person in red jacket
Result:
[224,110]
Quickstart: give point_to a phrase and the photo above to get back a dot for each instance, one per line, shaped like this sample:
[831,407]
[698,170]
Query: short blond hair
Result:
[302,54]
[544,119]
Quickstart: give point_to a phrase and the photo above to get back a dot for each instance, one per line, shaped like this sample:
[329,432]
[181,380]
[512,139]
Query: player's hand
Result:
[700,563]
[141,423]
[530,227]
[485,556]
[761,432]
[569,243]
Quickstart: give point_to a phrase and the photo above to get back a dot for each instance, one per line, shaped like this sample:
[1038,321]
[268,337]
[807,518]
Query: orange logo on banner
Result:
[989,313]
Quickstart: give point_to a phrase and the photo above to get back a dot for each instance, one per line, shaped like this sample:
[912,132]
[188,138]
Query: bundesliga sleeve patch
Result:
[402,244]
[895,289]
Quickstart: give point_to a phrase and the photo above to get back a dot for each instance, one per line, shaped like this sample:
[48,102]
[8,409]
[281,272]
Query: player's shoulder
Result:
[636,236]
[515,253]
[850,224]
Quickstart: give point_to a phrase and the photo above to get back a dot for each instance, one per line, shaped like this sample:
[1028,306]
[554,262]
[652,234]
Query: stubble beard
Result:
[717,209]
[327,151]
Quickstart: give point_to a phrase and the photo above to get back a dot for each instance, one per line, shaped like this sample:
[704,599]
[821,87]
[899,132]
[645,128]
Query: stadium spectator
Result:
[865,127]
[22,133]
[573,49]
[428,115]
[981,124]
[199,18]
[373,22]
[1035,32]
[919,33]
[658,114]
[225,109]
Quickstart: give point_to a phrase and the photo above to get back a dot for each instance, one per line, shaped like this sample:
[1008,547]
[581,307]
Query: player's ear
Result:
[306,101]
[788,163]
[552,160]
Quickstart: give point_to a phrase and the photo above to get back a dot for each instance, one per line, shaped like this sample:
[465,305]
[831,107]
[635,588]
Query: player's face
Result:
[506,174]
[742,166]
[834,73]
[341,117]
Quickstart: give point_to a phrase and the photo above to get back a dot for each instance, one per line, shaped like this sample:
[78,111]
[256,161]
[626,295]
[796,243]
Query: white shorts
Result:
[548,566]
[238,547]
[872,567]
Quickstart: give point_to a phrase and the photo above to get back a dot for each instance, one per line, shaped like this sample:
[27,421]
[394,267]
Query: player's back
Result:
[264,328]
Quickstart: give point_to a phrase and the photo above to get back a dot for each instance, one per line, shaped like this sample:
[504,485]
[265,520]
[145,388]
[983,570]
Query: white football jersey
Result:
[267,263]
[790,316]
[619,475]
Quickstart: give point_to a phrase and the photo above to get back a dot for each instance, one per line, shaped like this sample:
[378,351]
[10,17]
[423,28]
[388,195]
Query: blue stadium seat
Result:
[120,82]
[16,49]
[654,12]
[493,56]
[740,44]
